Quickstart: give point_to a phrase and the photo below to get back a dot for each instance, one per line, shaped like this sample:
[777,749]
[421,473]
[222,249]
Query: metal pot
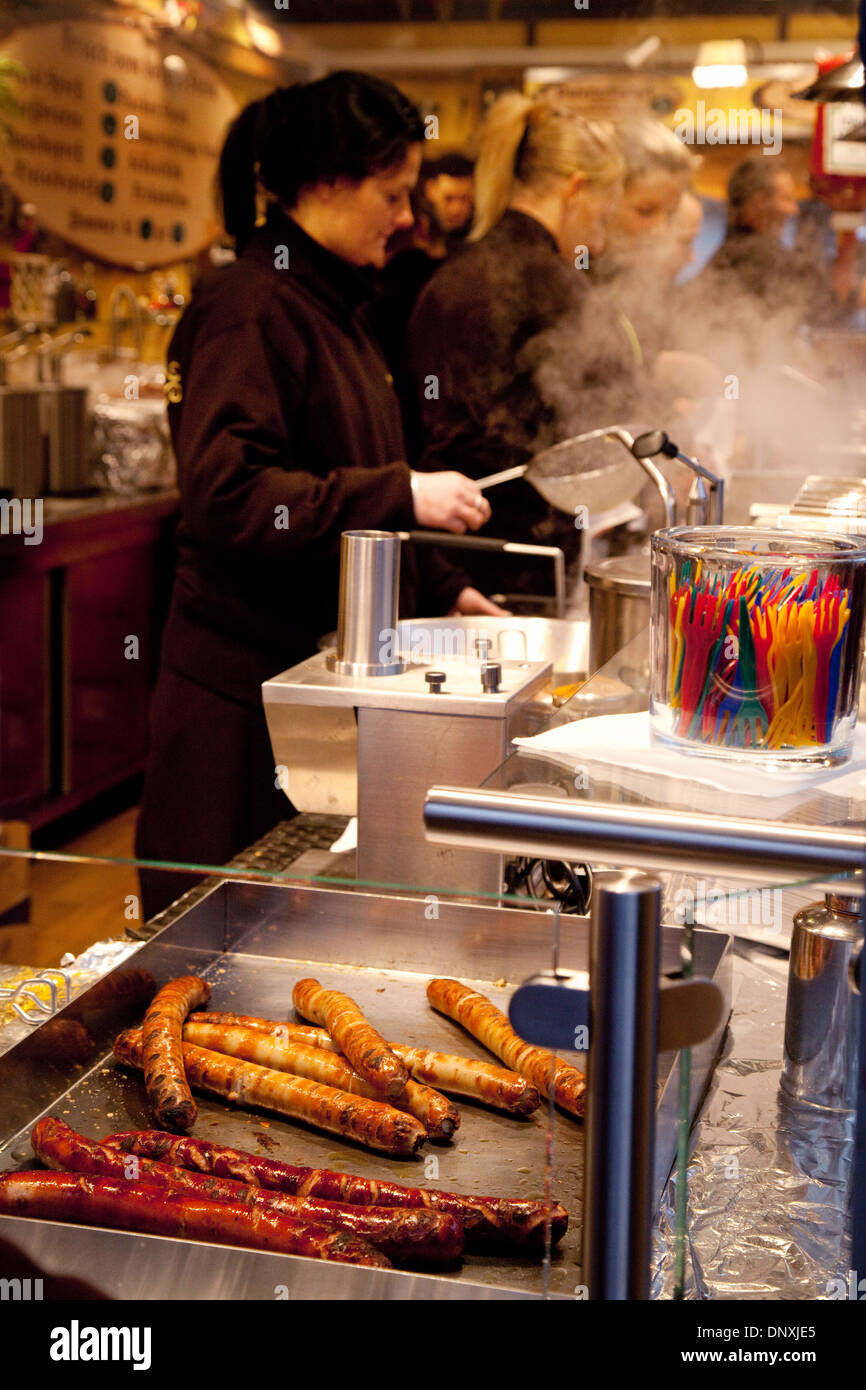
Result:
[619,604]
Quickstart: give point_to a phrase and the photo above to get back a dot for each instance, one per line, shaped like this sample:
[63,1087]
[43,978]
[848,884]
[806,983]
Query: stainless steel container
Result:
[619,604]
[21,457]
[65,427]
[369,595]
[823,1008]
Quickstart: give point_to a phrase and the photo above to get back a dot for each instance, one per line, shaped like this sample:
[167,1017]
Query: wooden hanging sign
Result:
[116,140]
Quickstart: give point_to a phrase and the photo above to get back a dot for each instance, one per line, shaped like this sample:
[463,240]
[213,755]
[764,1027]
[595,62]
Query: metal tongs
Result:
[59,988]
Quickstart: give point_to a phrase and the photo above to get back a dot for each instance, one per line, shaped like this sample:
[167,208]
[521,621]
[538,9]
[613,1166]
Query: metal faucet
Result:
[53,348]
[123,293]
[21,342]
[707,497]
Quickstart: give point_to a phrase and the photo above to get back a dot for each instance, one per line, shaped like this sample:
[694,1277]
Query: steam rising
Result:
[762,398]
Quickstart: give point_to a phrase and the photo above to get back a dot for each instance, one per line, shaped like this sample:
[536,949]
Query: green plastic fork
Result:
[751,717]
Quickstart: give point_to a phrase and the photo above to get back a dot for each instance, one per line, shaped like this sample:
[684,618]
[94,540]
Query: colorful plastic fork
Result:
[751,717]
[700,630]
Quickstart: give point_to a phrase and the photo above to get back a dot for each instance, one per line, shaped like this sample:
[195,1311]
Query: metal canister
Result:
[21,459]
[66,430]
[619,604]
[823,1008]
[369,596]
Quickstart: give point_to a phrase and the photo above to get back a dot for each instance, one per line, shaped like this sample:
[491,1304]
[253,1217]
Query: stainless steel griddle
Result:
[252,943]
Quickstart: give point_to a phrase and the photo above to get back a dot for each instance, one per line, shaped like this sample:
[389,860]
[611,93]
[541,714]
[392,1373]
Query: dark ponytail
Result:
[237,174]
[347,125]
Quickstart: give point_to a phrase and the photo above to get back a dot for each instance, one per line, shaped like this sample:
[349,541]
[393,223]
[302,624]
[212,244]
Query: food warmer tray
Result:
[252,943]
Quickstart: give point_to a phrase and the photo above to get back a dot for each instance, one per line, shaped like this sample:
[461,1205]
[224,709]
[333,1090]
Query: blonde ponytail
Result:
[501,138]
[529,143]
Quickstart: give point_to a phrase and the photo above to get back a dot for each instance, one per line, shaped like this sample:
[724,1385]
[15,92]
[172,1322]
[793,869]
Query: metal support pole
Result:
[625,956]
[644,837]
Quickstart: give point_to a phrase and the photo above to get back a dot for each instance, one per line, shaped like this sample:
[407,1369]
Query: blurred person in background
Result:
[442,204]
[508,351]
[686,225]
[448,187]
[753,274]
[287,432]
[645,246]
[652,231]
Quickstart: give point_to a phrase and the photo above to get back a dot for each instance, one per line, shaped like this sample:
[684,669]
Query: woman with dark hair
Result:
[287,432]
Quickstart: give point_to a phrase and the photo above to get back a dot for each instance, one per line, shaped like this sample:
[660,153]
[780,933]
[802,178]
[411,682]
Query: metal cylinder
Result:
[367,643]
[65,425]
[619,604]
[625,958]
[698,509]
[21,459]
[822,1015]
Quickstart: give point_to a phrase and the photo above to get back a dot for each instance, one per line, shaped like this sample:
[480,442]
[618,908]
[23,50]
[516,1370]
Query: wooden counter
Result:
[81,615]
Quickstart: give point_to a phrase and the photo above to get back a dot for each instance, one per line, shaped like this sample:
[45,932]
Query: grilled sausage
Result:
[418,1237]
[460,1076]
[368,1053]
[490,1026]
[489,1223]
[152,1210]
[164,1074]
[369,1122]
[438,1116]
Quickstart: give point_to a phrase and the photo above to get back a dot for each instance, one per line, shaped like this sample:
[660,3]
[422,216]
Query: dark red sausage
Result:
[427,1237]
[162,1050]
[489,1223]
[152,1210]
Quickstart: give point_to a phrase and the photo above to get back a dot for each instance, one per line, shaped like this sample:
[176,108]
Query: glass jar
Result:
[757,640]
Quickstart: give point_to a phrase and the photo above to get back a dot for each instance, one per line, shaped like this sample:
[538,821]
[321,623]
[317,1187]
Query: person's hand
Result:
[470,602]
[449,502]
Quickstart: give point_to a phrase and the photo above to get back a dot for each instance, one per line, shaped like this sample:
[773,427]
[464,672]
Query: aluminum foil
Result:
[131,448]
[81,971]
[768,1180]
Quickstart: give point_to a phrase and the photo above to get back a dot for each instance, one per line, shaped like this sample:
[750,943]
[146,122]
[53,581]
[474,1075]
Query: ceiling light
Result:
[721,63]
[638,55]
[264,36]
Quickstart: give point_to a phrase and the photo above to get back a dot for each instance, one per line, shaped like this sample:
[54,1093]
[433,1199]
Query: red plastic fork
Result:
[700,631]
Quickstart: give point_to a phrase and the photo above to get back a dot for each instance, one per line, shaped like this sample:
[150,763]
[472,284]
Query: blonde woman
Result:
[547,181]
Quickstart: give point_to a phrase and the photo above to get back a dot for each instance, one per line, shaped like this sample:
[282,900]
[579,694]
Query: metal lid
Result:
[621,574]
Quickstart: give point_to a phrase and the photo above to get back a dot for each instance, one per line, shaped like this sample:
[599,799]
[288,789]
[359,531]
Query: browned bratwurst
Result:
[162,1050]
[491,1027]
[152,1210]
[417,1237]
[462,1076]
[438,1116]
[368,1053]
[489,1223]
[370,1122]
